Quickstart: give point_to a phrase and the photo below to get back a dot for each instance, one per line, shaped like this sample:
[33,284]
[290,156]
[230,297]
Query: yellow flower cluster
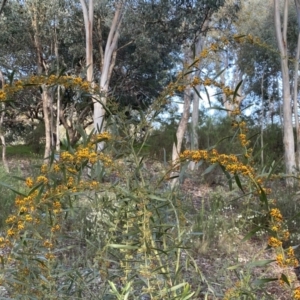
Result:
[284,258]
[66,81]
[230,162]
[85,154]
[276,214]
[274,242]
[25,213]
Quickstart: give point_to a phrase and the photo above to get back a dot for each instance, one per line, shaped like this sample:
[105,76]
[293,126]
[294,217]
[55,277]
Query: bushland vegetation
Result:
[111,190]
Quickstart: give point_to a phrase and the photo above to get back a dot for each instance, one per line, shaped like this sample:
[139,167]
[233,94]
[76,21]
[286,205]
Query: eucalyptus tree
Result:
[262,64]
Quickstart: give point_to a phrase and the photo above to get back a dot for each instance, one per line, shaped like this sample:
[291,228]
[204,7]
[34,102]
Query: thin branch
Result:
[2,6]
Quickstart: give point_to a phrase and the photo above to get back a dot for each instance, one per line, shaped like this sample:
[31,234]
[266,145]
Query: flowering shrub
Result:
[136,240]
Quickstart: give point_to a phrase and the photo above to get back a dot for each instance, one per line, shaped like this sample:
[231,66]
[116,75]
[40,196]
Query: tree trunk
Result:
[107,65]
[194,129]
[180,133]
[296,103]
[46,95]
[297,4]
[2,134]
[58,102]
[47,99]
[195,109]
[288,135]
[262,121]
[88,16]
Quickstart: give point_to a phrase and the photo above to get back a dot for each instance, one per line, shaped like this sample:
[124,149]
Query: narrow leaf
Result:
[238,182]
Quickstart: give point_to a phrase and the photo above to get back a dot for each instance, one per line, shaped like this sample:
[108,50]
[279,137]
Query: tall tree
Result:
[281,36]
[295,90]
[107,62]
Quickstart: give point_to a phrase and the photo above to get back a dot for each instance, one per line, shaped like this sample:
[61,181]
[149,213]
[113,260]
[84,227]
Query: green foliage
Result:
[7,196]
[35,138]
[161,141]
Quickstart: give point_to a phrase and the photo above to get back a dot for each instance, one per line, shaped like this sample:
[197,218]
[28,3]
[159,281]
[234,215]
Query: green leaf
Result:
[154,197]
[188,296]
[263,197]
[113,287]
[219,108]
[207,95]
[237,89]
[122,246]
[175,139]
[250,234]
[219,74]
[234,267]
[197,92]
[188,72]
[238,182]
[259,263]
[227,174]
[35,188]
[209,169]
[263,281]
[12,189]
[285,279]
[176,287]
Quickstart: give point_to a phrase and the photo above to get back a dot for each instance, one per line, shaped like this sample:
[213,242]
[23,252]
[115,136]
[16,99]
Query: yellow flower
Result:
[276,214]
[280,260]
[286,235]
[56,168]
[94,184]
[28,218]
[55,228]
[20,225]
[290,252]
[42,179]
[50,256]
[207,81]
[274,242]
[10,232]
[196,81]
[44,169]
[214,47]
[48,244]
[11,219]
[275,228]
[296,293]
[181,88]
[23,209]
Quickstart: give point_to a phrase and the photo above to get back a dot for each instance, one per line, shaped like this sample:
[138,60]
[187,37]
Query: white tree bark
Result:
[295,93]
[47,99]
[58,102]
[107,65]
[2,134]
[180,134]
[108,62]
[288,135]
[195,108]
[262,121]
[88,16]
